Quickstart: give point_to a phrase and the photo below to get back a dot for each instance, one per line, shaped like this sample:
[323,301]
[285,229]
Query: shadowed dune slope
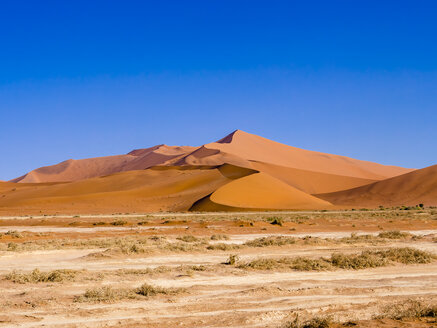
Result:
[74,170]
[154,189]
[261,191]
[254,148]
[412,188]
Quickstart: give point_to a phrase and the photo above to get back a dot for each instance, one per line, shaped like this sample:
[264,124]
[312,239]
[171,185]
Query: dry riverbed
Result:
[294,269]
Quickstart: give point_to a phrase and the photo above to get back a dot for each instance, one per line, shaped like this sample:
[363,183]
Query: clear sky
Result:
[92,78]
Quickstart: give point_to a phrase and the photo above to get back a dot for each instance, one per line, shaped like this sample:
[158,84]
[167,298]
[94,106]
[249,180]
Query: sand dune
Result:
[255,148]
[261,191]
[239,172]
[73,170]
[309,181]
[238,148]
[412,188]
[151,190]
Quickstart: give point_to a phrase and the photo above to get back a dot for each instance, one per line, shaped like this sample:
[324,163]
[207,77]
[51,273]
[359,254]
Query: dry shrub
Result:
[38,276]
[407,255]
[270,241]
[119,223]
[409,309]
[297,263]
[276,221]
[394,235]
[223,247]
[219,237]
[188,239]
[12,234]
[105,294]
[149,290]
[232,259]
[366,259]
[316,322]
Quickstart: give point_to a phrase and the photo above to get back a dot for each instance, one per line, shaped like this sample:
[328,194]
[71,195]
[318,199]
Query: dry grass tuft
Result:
[394,235]
[316,322]
[37,276]
[367,259]
[219,237]
[105,294]
[409,309]
[364,260]
[188,239]
[149,290]
[110,294]
[270,241]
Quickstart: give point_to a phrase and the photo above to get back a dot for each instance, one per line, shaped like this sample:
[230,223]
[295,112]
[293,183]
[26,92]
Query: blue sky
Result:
[93,78]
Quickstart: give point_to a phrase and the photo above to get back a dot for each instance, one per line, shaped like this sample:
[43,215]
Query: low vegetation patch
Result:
[276,221]
[219,237]
[110,294]
[316,322]
[37,276]
[223,247]
[294,263]
[409,309]
[119,223]
[271,241]
[105,294]
[188,239]
[149,290]
[364,260]
[394,235]
[232,259]
[12,234]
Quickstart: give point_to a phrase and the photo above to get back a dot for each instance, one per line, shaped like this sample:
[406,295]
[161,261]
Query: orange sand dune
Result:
[154,189]
[412,188]
[309,181]
[239,172]
[261,191]
[238,148]
[254,148]
[73,170]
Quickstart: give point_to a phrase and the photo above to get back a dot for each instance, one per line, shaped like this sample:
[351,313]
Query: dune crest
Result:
[255,148]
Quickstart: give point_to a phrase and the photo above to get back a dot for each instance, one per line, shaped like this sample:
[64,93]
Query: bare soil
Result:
[210,293]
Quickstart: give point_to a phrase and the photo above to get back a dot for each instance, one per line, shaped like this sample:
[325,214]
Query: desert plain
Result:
[242,232]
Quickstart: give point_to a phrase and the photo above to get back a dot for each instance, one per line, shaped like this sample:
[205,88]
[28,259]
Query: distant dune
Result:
[412,188]
[73,170]
[241,171]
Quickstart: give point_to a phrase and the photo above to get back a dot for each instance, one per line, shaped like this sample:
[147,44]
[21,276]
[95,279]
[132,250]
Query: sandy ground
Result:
[220,295]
